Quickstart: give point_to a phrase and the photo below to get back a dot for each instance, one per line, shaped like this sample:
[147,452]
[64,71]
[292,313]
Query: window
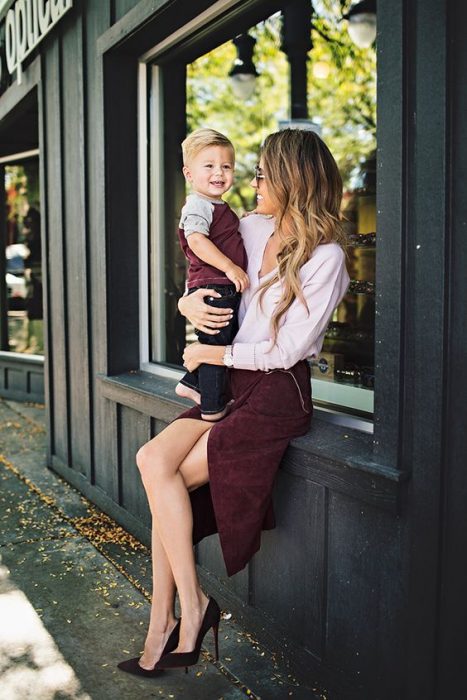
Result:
[23,262]
[189,86]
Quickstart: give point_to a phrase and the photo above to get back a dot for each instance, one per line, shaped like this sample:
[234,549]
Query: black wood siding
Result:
[352,579]
[21,379]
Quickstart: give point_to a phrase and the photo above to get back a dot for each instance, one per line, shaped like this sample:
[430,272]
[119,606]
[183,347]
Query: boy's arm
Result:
[210,254]
[196,221]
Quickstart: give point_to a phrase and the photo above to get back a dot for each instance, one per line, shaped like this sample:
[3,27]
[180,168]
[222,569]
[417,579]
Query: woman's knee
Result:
[151,462]
[142,457]
[146,459]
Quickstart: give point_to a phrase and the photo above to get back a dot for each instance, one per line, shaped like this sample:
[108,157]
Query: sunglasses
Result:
[259,173]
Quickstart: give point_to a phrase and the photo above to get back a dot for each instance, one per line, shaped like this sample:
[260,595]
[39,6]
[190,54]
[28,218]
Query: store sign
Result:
[26,24]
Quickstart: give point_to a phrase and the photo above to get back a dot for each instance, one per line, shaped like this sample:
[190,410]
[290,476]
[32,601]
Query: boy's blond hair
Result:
[203,138]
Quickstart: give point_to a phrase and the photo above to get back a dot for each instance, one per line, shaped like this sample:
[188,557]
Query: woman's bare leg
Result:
[162,618]
[171,464]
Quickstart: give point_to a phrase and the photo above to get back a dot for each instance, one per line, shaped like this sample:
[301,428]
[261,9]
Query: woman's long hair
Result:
[304,183]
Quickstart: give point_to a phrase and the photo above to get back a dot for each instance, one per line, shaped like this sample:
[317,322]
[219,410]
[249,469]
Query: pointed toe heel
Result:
[215,631]
[211,618]
[132,665]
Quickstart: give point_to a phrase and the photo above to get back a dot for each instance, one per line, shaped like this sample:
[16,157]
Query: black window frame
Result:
[162,108]
[375,460]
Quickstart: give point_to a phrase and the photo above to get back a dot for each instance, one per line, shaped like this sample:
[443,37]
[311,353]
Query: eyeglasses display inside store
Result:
[251,85]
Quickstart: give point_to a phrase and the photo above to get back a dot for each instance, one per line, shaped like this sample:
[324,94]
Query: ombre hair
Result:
[203,138]
[305,185]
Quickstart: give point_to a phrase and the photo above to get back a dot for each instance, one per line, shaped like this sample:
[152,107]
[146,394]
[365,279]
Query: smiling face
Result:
[211,171]
[264,202]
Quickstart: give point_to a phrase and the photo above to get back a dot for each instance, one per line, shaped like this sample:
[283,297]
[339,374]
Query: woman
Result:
[202,478]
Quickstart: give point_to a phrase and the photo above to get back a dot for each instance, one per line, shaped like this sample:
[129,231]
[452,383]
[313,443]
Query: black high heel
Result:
[132,665]
[211,618]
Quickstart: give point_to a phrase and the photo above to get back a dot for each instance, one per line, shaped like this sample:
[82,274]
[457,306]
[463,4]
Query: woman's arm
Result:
[196,354]
[297,337]
[302,329]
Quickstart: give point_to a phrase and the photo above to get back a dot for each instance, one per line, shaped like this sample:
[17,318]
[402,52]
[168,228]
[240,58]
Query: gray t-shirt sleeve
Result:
[196,216]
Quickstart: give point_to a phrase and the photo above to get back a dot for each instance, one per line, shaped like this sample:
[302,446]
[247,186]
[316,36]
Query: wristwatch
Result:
[228,357]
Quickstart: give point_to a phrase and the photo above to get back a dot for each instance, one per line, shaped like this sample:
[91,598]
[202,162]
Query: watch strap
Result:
[228,356]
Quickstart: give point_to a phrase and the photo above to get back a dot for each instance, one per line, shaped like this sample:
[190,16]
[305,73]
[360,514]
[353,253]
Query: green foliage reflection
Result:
[342,104]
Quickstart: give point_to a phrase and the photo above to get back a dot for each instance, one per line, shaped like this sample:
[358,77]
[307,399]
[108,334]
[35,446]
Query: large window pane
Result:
[23,258]
[342,108]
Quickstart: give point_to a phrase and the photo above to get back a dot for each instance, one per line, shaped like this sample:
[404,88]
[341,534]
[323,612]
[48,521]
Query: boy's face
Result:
[211,171]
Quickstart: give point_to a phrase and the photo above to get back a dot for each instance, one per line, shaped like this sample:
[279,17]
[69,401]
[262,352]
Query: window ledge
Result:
[331,455]
[21,358]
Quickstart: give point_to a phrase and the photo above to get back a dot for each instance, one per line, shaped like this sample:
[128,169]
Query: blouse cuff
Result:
[244,356]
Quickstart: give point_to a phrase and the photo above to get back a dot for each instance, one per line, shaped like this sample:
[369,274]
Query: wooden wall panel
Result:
[390,231]
[56,261]
[135,431]
[48,398]
[157,426]
[364,599]
[209,556]
[21,380]
[75,240]
[121,195]
[17,380]
[451,679]
[295,552]
[104,442]
[36,384]
[122,7]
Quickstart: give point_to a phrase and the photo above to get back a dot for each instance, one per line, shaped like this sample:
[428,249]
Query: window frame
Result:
[13,159]
[151,171]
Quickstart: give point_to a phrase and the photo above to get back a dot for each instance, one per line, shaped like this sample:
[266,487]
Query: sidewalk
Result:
[74,596]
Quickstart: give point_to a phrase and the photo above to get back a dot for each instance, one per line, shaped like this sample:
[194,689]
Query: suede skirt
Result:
[244,453]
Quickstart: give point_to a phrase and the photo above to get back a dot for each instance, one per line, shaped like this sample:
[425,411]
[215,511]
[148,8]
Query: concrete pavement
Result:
[74,596]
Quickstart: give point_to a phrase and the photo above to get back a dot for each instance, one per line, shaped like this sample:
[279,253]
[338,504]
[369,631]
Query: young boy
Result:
[210,239]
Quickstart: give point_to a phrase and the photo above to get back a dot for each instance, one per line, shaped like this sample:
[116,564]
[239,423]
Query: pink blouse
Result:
[301,332]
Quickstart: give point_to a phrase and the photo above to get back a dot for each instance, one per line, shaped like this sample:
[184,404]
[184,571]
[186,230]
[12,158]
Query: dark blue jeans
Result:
[210,380]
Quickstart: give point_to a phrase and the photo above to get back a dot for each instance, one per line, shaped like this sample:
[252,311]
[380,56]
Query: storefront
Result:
[21,295]
[360,583]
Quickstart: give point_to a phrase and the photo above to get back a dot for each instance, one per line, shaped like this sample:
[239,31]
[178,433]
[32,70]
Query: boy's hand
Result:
[238,277]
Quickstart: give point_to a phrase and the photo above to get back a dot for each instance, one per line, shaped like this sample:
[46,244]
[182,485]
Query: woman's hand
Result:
[196,354]
[204,317]
[192,356]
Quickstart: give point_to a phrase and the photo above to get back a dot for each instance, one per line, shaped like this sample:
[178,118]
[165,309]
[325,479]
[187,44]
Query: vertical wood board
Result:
[73,165]
[295,552]
[105,472]
[135,432]
[56,260]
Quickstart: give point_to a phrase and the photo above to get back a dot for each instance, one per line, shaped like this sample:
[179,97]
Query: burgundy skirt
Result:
[244,453]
